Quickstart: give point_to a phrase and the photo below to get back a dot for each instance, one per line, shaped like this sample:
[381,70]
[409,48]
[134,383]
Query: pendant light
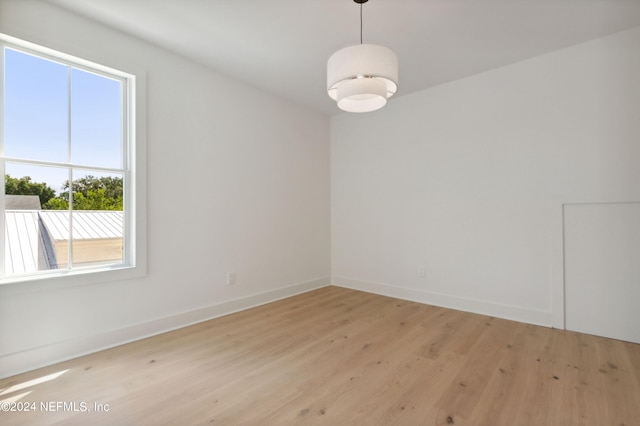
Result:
[362,77]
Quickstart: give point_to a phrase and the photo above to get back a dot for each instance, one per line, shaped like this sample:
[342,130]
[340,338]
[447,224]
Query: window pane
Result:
[35,239]
[64,141]
[97,218]
[95,120]
[35,108]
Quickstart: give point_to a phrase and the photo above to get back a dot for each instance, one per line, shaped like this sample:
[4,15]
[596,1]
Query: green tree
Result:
[24,186]
[96,200]
[112,186]
[57,203]
[90,193]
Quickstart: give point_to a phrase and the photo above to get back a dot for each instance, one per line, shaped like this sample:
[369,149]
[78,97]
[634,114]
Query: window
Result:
[66,151]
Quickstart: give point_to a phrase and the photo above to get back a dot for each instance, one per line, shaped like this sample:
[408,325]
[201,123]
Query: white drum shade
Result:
[362,94]
[362,69]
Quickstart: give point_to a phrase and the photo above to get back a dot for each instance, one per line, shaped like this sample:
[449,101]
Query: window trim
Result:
[134,166]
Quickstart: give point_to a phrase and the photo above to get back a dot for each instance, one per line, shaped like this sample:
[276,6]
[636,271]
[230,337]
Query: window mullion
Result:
[70,244]
[70,174]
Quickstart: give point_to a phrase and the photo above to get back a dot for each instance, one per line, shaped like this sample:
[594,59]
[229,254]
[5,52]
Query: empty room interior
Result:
[449,237]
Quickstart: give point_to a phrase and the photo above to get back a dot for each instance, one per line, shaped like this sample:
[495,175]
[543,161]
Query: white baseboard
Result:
[32,358]
[509,312]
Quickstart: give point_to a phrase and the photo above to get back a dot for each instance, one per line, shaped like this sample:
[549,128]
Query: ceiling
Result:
[282,45]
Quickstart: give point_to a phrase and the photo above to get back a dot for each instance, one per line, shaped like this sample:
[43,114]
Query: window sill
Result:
[68,279]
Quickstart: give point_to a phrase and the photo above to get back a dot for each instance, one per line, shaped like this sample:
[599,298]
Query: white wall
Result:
[469,179]
[238,180]
[602,269]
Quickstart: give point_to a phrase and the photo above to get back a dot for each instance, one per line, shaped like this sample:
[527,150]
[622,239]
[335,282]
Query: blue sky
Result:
[46,104]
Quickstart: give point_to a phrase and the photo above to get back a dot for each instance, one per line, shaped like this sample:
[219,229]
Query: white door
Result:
[602,269]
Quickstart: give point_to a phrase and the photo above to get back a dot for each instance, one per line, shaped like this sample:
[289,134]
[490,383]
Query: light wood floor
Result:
[341,357]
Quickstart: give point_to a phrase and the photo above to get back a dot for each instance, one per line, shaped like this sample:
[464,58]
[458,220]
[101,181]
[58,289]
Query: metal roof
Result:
[24,246]
[87,224]
[29,234]
[21,202]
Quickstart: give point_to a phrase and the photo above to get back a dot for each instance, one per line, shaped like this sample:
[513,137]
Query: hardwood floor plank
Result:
[459,399]
[336,356]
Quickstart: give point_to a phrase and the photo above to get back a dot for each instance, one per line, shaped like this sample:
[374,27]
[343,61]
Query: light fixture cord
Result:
[360,23]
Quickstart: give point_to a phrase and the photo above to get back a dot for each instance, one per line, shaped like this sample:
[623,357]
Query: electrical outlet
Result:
[231,278]
[422,271]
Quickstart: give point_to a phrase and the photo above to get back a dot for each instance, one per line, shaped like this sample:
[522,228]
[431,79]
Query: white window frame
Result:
[133,169]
